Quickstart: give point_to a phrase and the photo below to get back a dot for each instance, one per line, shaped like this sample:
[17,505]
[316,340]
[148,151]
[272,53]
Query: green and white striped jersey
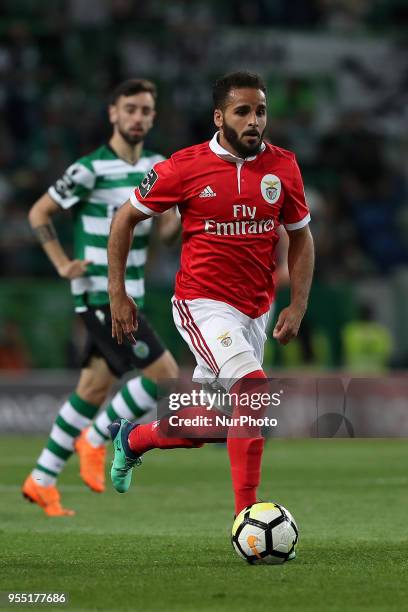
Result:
[95,187]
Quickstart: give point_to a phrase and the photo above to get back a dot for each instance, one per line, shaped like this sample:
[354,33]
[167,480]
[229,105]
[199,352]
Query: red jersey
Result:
[230,210]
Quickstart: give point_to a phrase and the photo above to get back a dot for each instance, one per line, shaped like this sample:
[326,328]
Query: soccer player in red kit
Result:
[232,192]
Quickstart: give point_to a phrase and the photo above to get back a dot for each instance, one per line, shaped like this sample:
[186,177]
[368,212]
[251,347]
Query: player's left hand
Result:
[288,324]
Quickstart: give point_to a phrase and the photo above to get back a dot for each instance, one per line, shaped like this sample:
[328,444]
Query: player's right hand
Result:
[74,268]
[124,317]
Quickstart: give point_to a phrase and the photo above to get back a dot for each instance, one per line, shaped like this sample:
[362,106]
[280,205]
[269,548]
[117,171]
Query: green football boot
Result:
[124,459]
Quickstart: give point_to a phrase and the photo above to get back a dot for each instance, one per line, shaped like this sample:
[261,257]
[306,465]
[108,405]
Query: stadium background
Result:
[337,79]
[337,73]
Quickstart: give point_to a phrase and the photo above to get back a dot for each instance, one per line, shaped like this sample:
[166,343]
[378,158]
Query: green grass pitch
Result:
[165,545]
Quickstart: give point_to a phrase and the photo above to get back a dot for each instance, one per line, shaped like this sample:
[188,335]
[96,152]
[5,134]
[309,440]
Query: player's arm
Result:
[169,226]
[295,218]
[123,308]
[40,218]
[300,265]
[158,192]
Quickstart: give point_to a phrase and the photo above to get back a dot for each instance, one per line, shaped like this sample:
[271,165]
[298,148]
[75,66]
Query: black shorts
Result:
[121,358]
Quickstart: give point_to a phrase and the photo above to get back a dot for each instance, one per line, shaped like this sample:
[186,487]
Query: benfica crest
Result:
[271,188]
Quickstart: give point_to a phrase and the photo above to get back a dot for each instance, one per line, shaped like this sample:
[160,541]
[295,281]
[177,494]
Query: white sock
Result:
[132,402]
[43,479]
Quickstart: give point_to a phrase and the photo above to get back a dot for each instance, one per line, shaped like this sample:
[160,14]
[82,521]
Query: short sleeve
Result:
[75,185]
[160,189]
[295,211]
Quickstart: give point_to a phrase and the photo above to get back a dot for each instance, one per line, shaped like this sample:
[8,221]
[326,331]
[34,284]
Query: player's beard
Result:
[131,139]
[242,149]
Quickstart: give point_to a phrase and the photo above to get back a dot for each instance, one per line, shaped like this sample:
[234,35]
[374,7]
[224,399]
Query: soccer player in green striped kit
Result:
[93,188]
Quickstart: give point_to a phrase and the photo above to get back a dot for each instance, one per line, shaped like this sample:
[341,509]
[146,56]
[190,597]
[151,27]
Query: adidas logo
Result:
[207,193]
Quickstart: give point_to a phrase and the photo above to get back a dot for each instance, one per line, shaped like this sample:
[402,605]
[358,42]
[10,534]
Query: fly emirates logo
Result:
[243,223]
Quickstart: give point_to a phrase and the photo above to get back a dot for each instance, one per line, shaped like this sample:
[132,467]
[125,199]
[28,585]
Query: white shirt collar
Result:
[226,155]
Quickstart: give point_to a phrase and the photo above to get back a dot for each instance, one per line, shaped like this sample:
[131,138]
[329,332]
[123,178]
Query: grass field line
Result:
[82,488]
[14,461]
[389,481]
[5,488]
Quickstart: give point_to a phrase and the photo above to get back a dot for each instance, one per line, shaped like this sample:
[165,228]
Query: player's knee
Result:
[172,369]
[94,391]
[238,366]
[163,368]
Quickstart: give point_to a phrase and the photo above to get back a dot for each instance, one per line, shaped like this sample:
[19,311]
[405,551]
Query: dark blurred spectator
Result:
[292,105]
[370,192]
[294,14]
[92,13]
[13,352]
[345,15]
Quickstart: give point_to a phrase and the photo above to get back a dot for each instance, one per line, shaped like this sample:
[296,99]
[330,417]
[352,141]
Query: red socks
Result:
[149,436]
[146,437]
[245,454]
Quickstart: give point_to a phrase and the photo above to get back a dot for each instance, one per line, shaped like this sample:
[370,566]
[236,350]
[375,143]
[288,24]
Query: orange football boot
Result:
[48,498]
[91,463]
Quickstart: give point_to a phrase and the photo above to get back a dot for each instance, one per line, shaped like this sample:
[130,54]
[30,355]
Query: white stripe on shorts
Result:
[201,337]
[196,337]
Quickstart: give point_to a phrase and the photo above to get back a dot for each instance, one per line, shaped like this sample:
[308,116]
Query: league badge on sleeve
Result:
[271,188]
[65,186]
[147,183]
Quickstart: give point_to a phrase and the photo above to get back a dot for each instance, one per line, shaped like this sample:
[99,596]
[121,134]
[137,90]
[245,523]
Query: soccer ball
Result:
[265,533]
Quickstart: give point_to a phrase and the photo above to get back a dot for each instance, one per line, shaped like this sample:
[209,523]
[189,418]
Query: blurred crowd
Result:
[60,58]
[346,120]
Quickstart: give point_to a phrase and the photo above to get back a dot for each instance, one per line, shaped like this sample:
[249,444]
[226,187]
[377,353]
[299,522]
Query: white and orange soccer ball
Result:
[265,533]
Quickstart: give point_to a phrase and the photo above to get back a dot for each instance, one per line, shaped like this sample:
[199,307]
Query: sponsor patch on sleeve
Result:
[147,183]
